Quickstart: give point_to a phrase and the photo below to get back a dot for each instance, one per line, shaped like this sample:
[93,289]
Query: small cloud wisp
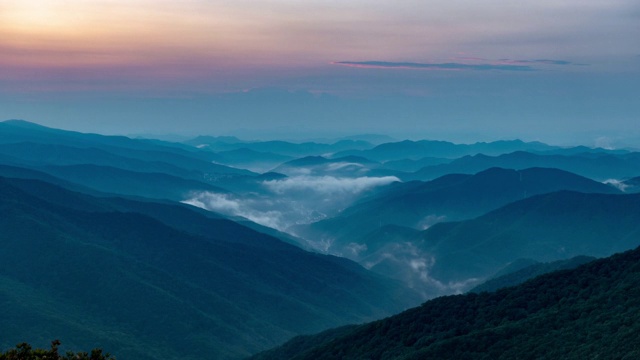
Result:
[460,64]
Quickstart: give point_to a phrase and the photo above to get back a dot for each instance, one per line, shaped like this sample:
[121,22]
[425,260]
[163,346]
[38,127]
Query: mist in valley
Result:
[224,179]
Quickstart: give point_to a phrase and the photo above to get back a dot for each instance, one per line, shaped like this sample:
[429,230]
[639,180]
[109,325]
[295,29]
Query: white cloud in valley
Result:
[292,201]
[327,185]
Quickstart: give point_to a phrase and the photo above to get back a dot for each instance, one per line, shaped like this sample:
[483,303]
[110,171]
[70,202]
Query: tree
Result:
[24,351]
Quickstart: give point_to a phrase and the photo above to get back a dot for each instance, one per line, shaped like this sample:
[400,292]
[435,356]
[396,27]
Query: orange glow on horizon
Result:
[198,41]
[101,33]
[77,33]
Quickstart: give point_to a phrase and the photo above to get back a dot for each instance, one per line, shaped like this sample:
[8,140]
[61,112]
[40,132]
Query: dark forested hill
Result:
[377,231]
[115,163]
[591,312]
[115,180]
[632,185]
[511,277]
[450,198]
[546,227]
[149,281]
[452,257]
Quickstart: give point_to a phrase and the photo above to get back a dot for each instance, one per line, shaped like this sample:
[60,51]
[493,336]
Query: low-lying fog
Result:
[291,201]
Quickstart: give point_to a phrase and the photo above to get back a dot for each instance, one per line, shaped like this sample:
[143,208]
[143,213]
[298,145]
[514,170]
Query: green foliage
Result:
[476,249]
[523,274]
[545,228]
[133,275]
[454,196]
[24,351]
[589,312]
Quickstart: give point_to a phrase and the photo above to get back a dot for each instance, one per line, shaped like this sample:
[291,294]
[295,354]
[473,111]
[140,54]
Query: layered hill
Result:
[151,280]
[116,164]
[585,313]
[286,148]
[39,144]
[415,150]
[347,166]
[250,159]
[599,166]
[546,227]
[515,274]
[631,185]
[453,257]
[419,205]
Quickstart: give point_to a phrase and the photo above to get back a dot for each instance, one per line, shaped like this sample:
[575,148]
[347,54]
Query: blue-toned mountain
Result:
[449,198]
[588,312]
[415,150]
[151,280]
[599,166]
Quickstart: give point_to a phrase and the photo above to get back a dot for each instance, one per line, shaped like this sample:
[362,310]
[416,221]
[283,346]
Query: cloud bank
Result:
[230,205]
[620,185]
[327,185]
[468,64]
[292,201]
[433,66]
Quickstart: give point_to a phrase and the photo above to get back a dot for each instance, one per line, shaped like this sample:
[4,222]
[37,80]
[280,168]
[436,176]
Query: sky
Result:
[560,71]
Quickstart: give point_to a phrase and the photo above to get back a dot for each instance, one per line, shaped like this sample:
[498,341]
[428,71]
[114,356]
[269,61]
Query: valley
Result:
[158,249]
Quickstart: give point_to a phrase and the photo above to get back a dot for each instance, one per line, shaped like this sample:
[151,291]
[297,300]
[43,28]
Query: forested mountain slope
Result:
[589,312]
[147,281]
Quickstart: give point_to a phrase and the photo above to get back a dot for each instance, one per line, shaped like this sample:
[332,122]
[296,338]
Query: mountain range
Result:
[415,150]
[100,244]
[545,227]
[149,280]
[385,231]
[599,166]
[119,163]
[517,272]
[451,257]
[588,312]
[449,198]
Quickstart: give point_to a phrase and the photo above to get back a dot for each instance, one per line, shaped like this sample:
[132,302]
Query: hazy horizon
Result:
[327,136]
[563,73]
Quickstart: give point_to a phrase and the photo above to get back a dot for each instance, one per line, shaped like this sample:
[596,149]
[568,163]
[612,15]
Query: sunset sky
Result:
[562,71]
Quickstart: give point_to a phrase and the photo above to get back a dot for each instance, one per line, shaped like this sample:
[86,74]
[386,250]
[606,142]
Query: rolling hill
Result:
[632,185]
[449,198]
[347,166]
[599,166]
[511,276]
[113,180]
[151,280]
[546,227]
[285,148]
[415,150]
[585,313]
[29,144]
[452,257]
[117,164]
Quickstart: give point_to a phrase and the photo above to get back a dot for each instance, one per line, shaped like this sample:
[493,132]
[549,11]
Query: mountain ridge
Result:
[590,311]
[132,273]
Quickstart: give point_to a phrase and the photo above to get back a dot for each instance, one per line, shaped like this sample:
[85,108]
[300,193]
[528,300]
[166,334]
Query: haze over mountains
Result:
[134,275]
[382,232]
[229,247]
